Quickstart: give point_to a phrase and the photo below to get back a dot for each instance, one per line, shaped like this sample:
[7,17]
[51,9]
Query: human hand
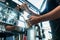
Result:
[10,28]
[34,20]
[24,6]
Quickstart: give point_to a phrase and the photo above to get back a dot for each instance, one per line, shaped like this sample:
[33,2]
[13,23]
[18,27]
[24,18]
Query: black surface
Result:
[11,3]
[6,34]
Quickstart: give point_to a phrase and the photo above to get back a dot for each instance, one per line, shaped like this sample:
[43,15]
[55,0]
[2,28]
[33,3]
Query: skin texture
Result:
[52,15]
[10,28]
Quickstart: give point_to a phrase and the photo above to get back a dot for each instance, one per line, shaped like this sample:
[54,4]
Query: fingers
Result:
[23,7]
[28,23]
[34,20]
[10,28]
[31,17]
[19,6]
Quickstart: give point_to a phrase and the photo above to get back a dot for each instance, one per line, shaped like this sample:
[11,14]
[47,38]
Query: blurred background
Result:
[10,16]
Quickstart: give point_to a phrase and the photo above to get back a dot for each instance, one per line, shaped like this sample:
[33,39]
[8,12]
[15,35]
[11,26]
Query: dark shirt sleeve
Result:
[58,1]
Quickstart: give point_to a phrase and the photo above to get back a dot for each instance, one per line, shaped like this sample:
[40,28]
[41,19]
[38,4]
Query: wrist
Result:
[40,18]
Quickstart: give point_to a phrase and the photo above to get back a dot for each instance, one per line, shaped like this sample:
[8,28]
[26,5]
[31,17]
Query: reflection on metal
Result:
[38,32]
[28,3]
[31,34]
[8,15]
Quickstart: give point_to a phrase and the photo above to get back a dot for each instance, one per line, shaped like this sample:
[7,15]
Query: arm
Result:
[25,7]
[52,15]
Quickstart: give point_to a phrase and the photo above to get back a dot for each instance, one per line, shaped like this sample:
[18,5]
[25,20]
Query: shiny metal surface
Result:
[9,17]
[9,21]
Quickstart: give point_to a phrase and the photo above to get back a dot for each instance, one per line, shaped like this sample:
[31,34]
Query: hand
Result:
[34,20]
[10,28]
[24,6]
[17,7]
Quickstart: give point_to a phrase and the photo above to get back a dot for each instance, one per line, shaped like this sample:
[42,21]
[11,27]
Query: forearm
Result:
[52,15]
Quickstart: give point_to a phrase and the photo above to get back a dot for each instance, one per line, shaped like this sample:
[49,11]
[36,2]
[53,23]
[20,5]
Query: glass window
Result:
[36,3]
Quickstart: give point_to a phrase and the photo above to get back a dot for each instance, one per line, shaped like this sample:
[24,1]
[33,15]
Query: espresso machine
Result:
[9,16]
[14,18]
